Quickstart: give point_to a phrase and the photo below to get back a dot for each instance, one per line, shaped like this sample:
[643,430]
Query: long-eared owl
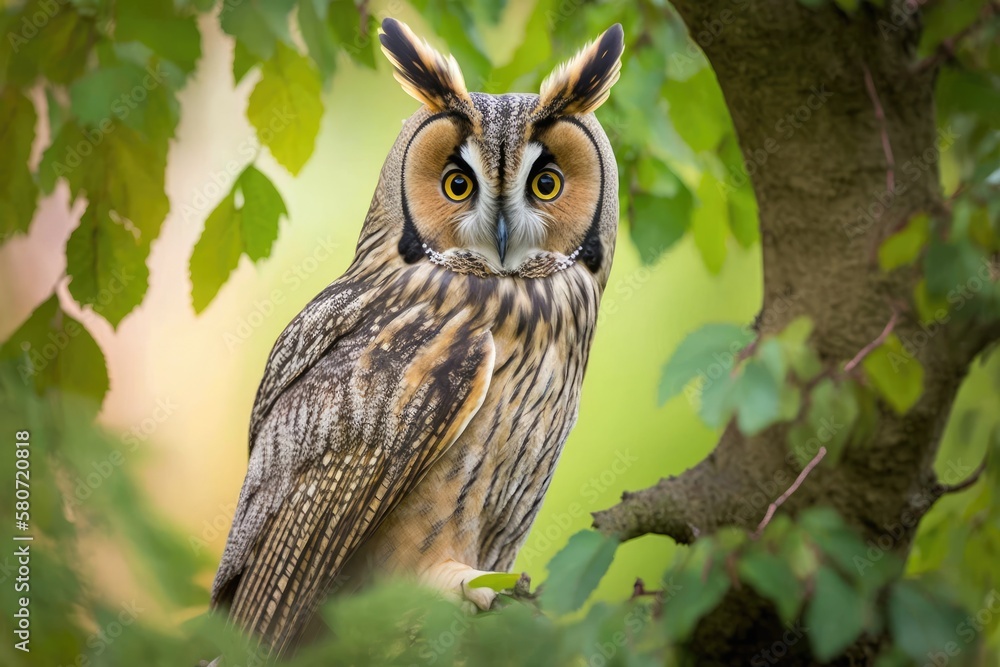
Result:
[411,416]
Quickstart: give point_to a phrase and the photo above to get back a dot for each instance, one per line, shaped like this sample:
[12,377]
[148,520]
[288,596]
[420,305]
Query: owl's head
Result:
[516,184]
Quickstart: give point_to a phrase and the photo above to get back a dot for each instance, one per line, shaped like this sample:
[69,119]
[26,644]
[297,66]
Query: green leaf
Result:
[243,61]
[92,162]
[698,587]
[217,252]
[716,404]
[794,340]
[286,108]
[842,546]
[744,221]
[708,225]
[138,97]
[232,230]
[835,615]
[772,578]
[576,570]
[656,223]
[698,110]
[849,6]
[654,177]
[59,49]
[52,350]
[157,24]
[262,208]
[709,351]
[895,373]
[949,267]
[18,192]
[534,51]
[921,624]
[106,264]
[356,39]
[742,205]
[498,581]
[904,246]
[318,36]
[757,398]
[833,410]
[258,25]
[200,5]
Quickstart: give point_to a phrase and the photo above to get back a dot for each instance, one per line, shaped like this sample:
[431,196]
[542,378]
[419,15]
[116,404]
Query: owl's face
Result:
[506,179]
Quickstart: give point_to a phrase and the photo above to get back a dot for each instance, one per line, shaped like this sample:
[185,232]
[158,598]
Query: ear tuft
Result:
[583,84]
[425,74]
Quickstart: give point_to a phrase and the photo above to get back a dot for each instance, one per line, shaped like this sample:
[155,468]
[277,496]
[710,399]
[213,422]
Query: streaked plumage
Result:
[410,418]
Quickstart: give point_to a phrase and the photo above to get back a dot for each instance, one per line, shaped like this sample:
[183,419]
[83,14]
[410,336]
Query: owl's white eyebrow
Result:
[474,158]
[532,152]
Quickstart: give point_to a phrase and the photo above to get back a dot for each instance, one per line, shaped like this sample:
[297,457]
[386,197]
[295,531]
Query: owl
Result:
[410,417]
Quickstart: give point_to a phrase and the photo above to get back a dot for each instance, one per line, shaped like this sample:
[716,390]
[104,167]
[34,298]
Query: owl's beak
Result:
[501,237]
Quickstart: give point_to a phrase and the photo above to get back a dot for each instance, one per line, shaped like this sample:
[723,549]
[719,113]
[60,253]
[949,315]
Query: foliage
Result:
[100,79]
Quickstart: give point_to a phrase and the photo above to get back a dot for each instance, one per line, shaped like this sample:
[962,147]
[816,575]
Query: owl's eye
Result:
[546,185]
[457,186]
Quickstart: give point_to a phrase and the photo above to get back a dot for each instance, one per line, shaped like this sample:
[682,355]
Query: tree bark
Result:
[837,123]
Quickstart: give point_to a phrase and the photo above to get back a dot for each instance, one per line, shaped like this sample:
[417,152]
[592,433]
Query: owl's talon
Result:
[452,577]
[482,597]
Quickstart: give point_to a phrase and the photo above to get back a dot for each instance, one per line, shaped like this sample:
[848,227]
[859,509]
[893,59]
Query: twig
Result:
[867,349]
[773,507]
[944,489]
[746,352]
[946,49]
[890,161]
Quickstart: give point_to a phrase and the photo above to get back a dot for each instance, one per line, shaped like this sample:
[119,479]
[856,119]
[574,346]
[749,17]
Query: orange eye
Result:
[457,186]
[546,185]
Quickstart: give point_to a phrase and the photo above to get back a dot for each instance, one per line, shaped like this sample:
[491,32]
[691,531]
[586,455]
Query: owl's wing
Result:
[329,316]
[341,443]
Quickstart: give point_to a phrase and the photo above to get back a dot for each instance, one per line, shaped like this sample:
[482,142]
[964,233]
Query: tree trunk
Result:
[836,122]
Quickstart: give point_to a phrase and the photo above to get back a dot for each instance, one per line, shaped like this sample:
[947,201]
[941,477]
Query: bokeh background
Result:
[182,385]
[186,382]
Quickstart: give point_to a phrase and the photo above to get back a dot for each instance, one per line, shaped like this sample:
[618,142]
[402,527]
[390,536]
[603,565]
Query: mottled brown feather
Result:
[381,435]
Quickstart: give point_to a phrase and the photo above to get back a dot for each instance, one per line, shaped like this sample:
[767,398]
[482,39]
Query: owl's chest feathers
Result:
[496,474]
[477,502]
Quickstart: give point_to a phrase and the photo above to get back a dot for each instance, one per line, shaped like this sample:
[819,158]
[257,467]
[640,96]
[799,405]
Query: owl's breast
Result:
[477,503]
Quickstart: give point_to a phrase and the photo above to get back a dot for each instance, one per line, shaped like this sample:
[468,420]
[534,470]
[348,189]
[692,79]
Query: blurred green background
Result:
[182,385]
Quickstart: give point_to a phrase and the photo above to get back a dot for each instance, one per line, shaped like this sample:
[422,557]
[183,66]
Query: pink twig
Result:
[866,350]
[890,161]
[773,507]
